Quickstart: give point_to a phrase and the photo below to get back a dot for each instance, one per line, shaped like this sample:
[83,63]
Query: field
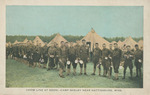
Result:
[20,75]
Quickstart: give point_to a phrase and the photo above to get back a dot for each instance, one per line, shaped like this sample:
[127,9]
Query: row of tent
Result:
[91,38]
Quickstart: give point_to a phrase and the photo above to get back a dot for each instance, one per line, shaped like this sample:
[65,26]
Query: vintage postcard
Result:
[75,47]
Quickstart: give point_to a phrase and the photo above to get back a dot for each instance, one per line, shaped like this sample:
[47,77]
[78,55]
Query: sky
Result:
[107,21]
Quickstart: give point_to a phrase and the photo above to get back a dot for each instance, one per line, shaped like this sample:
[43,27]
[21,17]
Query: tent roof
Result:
[25,40]
[37,41]
[140,43]
[129,41]
[93,37]
[113,42]
[58,38]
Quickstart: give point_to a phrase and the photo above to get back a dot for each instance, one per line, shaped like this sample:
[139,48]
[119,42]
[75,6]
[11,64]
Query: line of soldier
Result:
[65,56]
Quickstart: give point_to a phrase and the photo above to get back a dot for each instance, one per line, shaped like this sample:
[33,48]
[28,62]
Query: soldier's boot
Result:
[93,72]
[136,72]
[39,65]
[74,71]
[117,76]
[61,73]
[124,74]
[140,73]
[108,74]
[104,75]
[110,71]
[80,71]
[68,72]
[34,64]
[85,71]
[131,74]
[99,72]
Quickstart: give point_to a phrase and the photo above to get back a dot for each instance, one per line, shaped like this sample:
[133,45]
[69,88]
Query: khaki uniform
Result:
[84,54]
[138,61]
[105,59]
[72,57]
[51,53]
[97,53]
[128,56]
[116,57]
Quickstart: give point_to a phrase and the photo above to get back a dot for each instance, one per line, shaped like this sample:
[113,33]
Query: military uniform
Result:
[84,54]
[72,57]
[138,60]
[57,56]
[110,57]
[96,56]
[116,57]
[128,62]
[105,60]
[51,53]
[63,54]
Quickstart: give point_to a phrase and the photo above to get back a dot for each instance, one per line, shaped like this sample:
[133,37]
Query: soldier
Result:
[96,58]
[56,55]
[116,59]
[67,50]
[111,50]
[51,54]
[7,51]
[37,55]
[128,61]
[71,57]
[62,58]
[45,54]
[106,61]
[84,56]
[77,49]
[138,60]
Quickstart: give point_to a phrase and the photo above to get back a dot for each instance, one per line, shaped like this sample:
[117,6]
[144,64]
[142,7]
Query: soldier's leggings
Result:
[116,64]
[74,65]
[68,66]
[56,60]
[51,62]
[62,64]
[81,65]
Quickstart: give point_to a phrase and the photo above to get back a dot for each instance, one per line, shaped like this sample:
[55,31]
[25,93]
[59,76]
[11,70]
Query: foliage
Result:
[69,38]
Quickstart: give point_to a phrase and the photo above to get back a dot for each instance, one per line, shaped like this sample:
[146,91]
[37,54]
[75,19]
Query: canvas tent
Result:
[16,42]
[129,41]
[38,41]
[58,38]
[140,43]
[92,37]
[113,42]
[25,40]
[120,44]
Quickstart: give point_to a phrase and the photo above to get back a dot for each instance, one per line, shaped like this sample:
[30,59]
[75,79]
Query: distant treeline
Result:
[69,38]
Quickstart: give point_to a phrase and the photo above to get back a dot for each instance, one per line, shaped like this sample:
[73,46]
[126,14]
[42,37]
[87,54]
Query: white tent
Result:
[93,38]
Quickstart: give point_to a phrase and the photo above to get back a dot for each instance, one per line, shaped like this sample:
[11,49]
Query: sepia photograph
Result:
[74,46]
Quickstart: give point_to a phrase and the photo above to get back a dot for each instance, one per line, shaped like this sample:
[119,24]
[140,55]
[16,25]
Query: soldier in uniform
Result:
[84,56]
[97,53]
[51,54]
[62,58]
[128,61]
[71,58]
[116,59]
[45,54]
[77,49]
[37,55]
[67,50]
[106,61]
[110,57]
[56,55]
[138,60]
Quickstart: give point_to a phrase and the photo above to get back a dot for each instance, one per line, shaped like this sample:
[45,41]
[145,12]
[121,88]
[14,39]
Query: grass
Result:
[20,75]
